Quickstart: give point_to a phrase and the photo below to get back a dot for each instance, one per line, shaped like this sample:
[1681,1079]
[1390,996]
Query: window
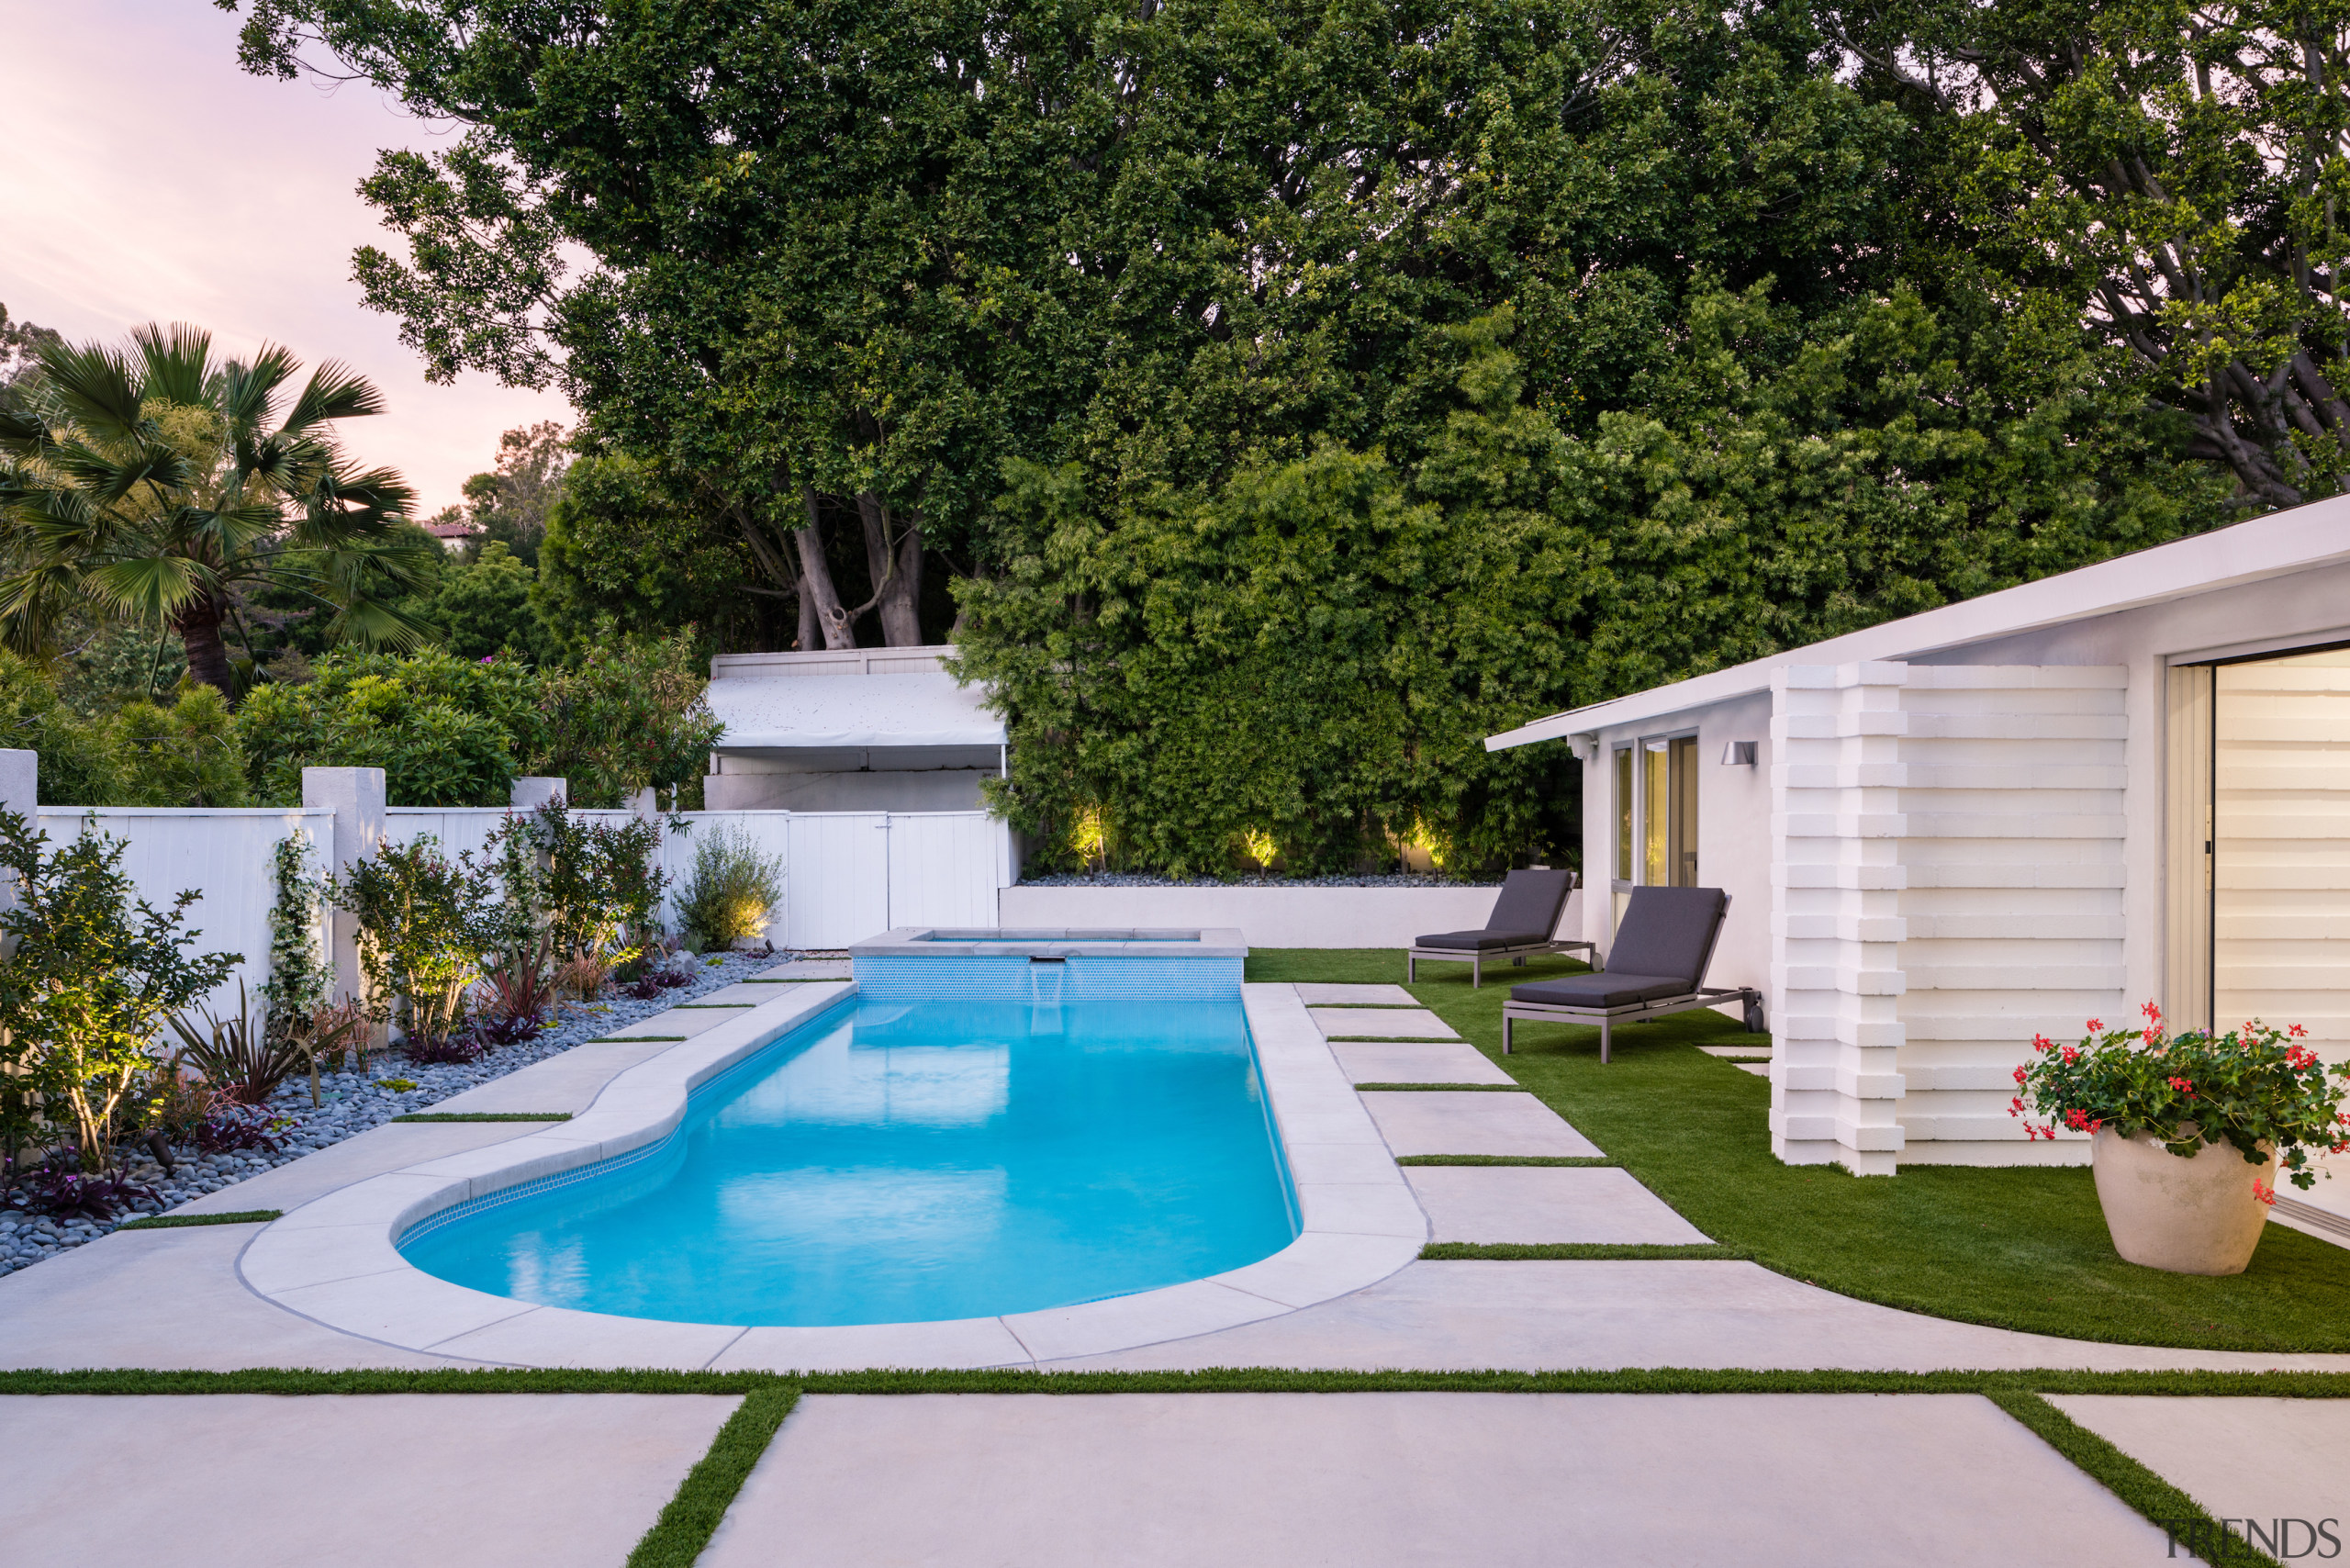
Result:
[1656,813]
[1661,816]
[1623,813]
[1683,836]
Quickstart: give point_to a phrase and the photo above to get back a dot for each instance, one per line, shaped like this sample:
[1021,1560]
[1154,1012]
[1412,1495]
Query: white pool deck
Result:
[323,1287]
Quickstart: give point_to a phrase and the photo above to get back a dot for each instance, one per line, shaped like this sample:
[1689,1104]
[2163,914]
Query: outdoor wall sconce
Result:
[1739,754]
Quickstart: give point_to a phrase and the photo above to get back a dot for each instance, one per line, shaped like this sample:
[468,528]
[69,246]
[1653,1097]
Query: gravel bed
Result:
[1362,879]
[355,1101]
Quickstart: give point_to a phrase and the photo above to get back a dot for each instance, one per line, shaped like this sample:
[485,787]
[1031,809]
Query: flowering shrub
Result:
[2250,1087]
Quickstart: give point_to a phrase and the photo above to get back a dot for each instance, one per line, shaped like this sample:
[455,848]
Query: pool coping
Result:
[332,1259]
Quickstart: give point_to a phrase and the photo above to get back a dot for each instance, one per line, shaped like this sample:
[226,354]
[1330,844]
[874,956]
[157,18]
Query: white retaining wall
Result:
[1268,917]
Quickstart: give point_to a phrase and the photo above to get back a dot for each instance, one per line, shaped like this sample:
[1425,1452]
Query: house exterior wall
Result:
[2276,615]
[1733,853]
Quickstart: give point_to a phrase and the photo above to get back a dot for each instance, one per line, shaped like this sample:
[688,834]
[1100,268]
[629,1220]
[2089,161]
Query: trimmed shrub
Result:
[731,889]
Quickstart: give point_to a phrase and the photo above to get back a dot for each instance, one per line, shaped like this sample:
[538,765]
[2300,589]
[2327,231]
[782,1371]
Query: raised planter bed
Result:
[1267,915]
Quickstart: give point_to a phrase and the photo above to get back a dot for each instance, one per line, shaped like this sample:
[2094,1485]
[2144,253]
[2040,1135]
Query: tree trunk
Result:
[198,624]
[816,583]
[896,568]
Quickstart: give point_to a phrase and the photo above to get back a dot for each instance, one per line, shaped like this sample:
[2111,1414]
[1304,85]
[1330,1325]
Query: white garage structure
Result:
[1946,834]
[862,767]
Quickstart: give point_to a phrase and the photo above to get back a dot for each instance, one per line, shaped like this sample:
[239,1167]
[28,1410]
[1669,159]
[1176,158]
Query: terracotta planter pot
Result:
[2190,1216]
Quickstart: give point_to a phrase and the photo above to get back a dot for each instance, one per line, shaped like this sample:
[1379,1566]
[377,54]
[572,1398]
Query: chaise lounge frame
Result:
[1608,1017]
[1475,958]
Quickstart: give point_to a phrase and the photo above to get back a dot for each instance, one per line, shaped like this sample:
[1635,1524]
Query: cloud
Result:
[148,179]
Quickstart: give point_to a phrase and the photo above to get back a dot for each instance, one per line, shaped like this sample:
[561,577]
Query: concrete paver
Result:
[370,1153]
[671,1026]
[1382,1022]
[1438,1122]
[806,969]
[168,1300]
[1329,995]
[1550,1315]
[2254,1461]
[260,1481]
[1430,1061]
[1379,1479]
[567,1082]
[1494,1205]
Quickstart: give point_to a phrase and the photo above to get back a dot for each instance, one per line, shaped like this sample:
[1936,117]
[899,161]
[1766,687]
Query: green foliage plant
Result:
[734,889]
[238,1055]
[483,607]
[80,765]
[93,977]
[586,889]
[630,716]
[447,731]
[420,932]
[183,754]
[301,972]
[2253,1088]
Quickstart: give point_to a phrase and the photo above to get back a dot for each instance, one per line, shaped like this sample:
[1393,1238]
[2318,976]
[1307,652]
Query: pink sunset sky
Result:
[147,178]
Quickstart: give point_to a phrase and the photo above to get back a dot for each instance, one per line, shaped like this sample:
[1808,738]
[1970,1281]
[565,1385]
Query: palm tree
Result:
[152,485]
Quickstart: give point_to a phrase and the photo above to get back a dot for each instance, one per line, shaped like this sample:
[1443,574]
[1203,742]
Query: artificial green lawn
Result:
[2016,1248]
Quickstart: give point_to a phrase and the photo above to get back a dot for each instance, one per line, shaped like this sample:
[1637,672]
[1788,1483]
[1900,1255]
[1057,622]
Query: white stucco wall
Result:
[1733,836]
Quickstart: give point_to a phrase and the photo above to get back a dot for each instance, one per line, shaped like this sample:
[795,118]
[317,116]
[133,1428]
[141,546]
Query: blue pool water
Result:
[896,1162]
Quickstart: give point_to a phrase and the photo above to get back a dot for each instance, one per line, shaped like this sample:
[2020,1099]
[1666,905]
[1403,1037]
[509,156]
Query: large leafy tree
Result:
[836,290]
[158,485]
[2176,174]
[1301,390]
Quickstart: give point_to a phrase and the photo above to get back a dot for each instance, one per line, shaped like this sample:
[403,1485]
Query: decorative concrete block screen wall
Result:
[1947,882]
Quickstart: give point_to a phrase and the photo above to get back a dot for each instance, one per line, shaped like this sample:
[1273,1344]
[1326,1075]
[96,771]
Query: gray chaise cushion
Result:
[1531,901]
[1605,989]
[1668,931]
[1525,914]
[1481,941]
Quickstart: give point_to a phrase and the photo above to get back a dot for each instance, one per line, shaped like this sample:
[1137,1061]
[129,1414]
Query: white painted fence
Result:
[848,874]
[226,855]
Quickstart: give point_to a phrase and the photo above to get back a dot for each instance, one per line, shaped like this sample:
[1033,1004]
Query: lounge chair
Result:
[1658,965]
[1520,926]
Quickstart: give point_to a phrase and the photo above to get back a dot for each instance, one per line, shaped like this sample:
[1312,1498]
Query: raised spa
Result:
[911,1161]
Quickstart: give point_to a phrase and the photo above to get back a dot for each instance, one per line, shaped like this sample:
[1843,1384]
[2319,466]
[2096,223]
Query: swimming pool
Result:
[898,1161]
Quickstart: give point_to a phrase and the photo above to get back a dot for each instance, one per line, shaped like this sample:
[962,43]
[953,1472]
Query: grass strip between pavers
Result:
[486,1116]
[1442,1088]
[1213,1380]
[175,1222]
[2178,1516]
[1535,1251]
[688,1520]
[1592,1160]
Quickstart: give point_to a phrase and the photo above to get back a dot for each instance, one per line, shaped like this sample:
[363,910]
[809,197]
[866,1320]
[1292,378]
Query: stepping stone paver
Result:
[1388,1480]
[1434,1122]
[1434,1061]
[388,1480]
[1497,1205]
[2253,1460]
[805,970]
[1382,1022]
[1324,995]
